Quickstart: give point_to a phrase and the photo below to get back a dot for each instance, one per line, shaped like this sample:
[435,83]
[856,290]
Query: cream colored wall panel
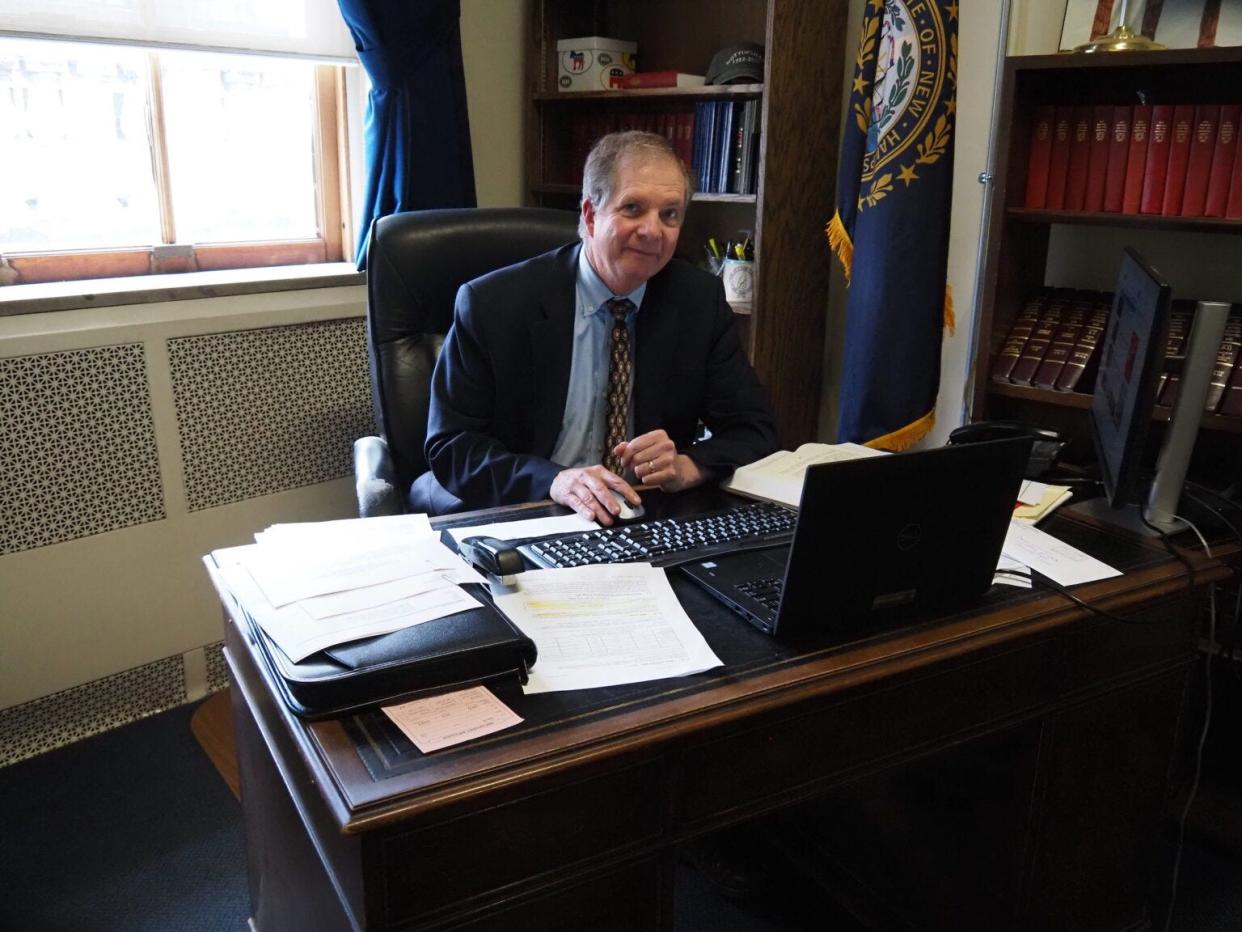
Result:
[77,446]
[493,40]
[263,410]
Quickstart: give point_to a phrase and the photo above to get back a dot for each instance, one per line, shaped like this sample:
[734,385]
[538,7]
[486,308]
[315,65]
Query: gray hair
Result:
[600,172]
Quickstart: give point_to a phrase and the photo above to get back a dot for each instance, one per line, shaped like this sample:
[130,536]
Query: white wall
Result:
[493,43]
[80,610]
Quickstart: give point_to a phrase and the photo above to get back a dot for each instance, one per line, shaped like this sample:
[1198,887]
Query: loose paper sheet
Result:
[1058,561]
[604,625]
[287,574]
[441,721]
[299,634]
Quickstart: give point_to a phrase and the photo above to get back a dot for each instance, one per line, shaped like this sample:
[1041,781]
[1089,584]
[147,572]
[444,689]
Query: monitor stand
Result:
[1161,504]
[1126,518]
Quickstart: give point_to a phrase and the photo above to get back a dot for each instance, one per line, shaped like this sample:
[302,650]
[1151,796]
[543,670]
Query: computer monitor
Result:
[1131,360]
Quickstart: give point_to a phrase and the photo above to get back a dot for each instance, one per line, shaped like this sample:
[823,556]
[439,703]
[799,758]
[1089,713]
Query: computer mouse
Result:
[628,512]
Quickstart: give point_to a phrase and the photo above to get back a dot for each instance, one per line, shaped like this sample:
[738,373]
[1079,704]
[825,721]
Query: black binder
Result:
[479,646]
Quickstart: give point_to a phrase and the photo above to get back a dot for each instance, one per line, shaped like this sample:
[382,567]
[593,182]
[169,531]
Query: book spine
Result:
[1118,151]
[1011,349]
[750,152]
[1083,353]
[1058,159]
[1157,159]
[1233,207]
[1136,159]
[1099,148]
[1037,344]
[1231,403]
[1199,165]
[736,180]
[1226,358]
[1079,159]
[723,169]
[1222,161]
[1038,158]
[1179,159]
[703,118]
[640,79]
[1179,325]
[1053,364]
[684,129]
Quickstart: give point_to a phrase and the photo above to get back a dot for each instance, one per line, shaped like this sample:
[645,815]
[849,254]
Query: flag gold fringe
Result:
[905,437]
[950,320]
[842,245]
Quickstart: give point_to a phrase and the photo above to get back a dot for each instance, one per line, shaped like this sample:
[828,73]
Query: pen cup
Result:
[739,284]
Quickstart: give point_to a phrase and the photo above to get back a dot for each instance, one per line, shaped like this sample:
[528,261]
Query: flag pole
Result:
[978,355]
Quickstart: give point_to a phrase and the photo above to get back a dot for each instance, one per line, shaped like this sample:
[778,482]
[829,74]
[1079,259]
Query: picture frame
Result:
[1175,24]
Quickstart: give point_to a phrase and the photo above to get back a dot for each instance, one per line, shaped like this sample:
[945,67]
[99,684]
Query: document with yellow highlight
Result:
[604,625]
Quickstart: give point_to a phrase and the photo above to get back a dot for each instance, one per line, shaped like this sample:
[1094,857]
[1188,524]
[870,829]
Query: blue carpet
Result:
[130,830]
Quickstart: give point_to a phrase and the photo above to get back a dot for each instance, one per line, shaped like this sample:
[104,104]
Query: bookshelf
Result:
[800,109]
[1028,249]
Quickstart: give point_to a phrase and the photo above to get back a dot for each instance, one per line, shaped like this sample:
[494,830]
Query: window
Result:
[122,161]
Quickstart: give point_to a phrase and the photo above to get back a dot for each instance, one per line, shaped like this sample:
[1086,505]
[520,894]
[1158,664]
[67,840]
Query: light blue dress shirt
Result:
[581,440]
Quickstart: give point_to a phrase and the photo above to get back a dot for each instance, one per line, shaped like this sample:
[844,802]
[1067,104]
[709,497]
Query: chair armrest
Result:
[375,479]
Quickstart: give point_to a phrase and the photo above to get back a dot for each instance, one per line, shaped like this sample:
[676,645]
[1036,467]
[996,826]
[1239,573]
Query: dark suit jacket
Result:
[498,392]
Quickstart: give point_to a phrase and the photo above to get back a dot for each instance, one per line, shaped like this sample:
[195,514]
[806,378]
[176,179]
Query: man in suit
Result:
[519,409]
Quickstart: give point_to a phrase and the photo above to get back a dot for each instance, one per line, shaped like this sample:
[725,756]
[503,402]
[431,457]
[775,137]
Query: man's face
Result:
[633,235]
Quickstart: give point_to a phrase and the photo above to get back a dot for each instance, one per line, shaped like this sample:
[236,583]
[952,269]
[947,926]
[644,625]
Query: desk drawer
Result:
[535,838]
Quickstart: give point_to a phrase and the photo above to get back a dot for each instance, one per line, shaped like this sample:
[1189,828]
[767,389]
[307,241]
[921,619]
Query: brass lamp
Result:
[1121,39]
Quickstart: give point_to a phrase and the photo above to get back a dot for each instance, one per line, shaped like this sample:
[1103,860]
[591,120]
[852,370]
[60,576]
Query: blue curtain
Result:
[417,129]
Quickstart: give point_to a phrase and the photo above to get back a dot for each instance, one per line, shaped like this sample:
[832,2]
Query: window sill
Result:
[186,286]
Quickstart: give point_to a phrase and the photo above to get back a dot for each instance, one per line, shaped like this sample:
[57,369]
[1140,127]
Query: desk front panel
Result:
[594,787]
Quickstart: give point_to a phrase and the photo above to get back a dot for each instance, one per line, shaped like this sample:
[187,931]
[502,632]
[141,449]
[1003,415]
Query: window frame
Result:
[330,145]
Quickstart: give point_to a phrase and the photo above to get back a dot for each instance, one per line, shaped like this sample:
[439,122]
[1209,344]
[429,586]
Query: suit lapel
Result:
[551,350]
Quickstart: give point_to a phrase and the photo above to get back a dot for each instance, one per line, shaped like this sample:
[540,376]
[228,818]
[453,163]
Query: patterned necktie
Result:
[620,375]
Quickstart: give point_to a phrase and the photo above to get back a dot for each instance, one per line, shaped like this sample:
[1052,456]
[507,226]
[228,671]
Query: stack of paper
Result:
[1036,501]
[313,586]
[778,477]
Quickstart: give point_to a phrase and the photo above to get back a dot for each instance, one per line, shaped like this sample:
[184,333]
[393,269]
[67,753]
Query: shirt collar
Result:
[594,292]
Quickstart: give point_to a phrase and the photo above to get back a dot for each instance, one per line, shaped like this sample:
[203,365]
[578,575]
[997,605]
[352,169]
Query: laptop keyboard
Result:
[766,591]
[670,541]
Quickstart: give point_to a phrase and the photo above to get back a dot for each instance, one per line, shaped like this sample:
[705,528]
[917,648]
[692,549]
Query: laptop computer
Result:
[876,537]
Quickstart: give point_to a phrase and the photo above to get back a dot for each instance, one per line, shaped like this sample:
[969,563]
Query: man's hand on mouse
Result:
[654,459]
[588,490]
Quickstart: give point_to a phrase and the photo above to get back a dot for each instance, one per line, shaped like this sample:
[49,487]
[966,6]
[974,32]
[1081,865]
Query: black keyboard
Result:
[669,541]
[766,591]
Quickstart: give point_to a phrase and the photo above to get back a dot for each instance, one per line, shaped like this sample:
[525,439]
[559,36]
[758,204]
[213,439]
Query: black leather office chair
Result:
[416,261]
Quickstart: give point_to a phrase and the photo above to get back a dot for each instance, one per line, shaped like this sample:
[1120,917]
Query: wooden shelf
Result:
[1131,221]
[796,160]
[703,92]
[1217,423]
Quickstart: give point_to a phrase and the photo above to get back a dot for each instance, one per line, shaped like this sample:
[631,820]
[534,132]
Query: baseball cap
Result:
[734,64]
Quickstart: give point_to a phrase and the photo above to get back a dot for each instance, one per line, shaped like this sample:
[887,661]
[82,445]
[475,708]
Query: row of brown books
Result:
[1053,341]
[1177,160]
[586,128]
[1225,391]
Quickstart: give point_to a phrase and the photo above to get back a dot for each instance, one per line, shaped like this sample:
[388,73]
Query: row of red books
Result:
[1053,342]
[1177,160]
[586,128]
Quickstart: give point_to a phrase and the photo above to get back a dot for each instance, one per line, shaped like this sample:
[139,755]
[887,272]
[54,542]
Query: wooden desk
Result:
[568,821]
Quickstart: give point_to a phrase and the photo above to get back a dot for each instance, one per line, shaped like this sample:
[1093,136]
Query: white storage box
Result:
[588,63]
